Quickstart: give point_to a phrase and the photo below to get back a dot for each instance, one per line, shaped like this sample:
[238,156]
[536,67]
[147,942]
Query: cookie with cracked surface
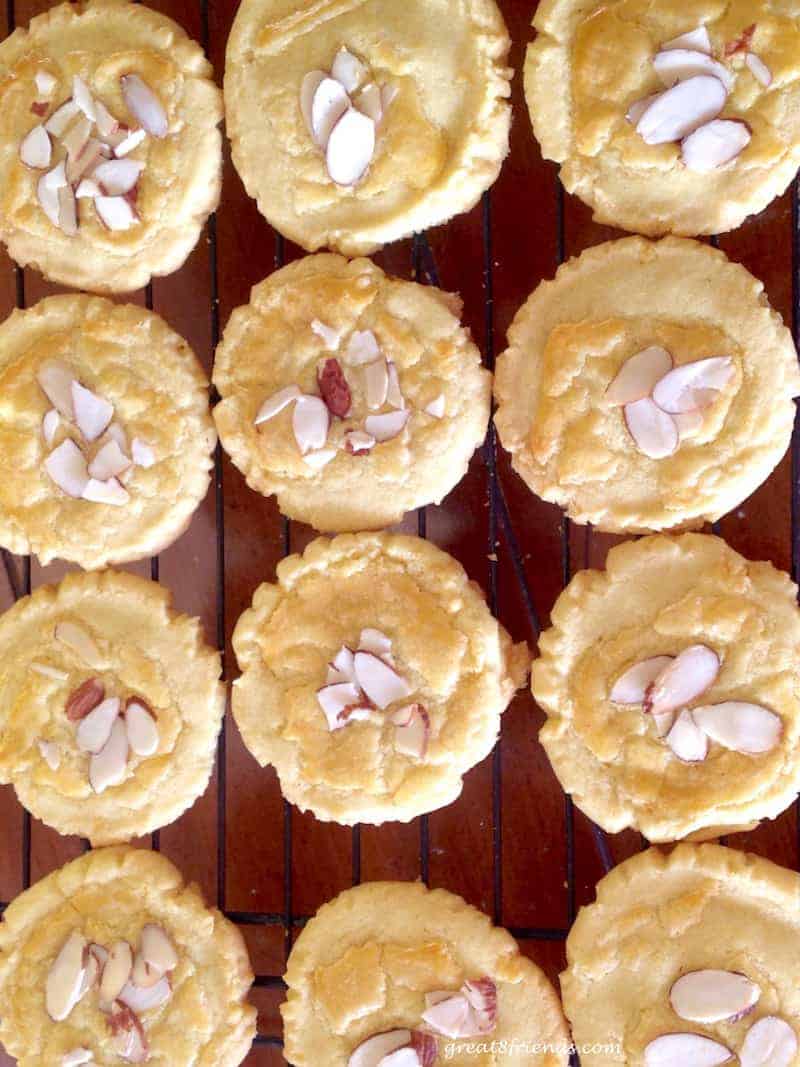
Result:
[105,430]
[397,962]
[111,156]
[649,386]
[122,923]
[373,677]
[732,627]
[111,706]
[371,124]
[383,364]
[726,918]
[731,141]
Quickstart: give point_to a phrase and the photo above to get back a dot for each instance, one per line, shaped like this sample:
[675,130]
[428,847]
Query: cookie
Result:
[110,707]
[353,396]
[373,677]
[393,965]
[668,117]
[110,155]
[353,126]
[115,959]
[647,387]
[687,959]
[104,429]
[670,683]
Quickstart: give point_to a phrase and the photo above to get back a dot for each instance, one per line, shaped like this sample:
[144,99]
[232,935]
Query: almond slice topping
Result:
[36,151]
[50,753]
[687,740]
[387,425]
[381,682]
[310,423]
[362,347]
[320,458]
[92,412]
[370,1052]
[129,142]
[55,379]
[129,1038]
[118,176]
[83,98]
[144,105]
[674,65]
[143,975]
[376,378]
[88,189]
[351,147]
[86,160]
[685,679]
[632,685]
[675,113]
[66,465]
[340,669]
[693,386]
[348,70]
[157,949]
[65,977]
[61,118]
[75,637]
[652,429]
[329,103]
[140,999]
[370,103]
[358,442]
[771,1042]
[50,424]
[334,388]
[108,492]
[638,108]
[67,211]
[394,395]
[375,641]
[680,1050]
[412,730]
[109,462]
[142,454]
[308,89]
[452,1017]
[759,69]
[338,701]
[638,375]
[697,40]
[107,125]
[142,731]
[47,195]
[115,212]
[746,728]
[713,996]
[715,144]
[275,404]
[95,728]
[75,139]
[107,768]
[482,995]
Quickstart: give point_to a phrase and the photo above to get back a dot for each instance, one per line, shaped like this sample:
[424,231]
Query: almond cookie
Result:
[110,706]
[104,430]
[354,126]
[110,156]
[671,684]
[373,677]
[668,117]
[687,960]
[114,959]
[392,974]
[648,386]
[352,396]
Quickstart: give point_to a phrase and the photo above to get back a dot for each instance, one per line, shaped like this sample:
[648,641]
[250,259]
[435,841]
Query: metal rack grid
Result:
[423,268]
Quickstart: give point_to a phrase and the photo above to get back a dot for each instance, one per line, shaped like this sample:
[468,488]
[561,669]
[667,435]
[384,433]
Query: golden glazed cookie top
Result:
[110,156]
[402,130]
[110,707]
[373,677]
[353,396]
[427,973]
[659,919]
[705,157]
[666,449]
[117,956]
[104,429]
[632,756]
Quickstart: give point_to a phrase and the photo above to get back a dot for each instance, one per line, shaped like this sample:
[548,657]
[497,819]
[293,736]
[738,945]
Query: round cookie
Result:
[659,918]
[198,976]
[110,155]
[366,962]
[111,705]
[104,429]
[353,126]
[373,677]
[611,740]
[596,66]
[573,440]
[387,356]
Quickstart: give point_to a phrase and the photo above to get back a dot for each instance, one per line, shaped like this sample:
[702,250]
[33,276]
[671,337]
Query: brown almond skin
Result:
[334,388]
[85,699]
[143,704]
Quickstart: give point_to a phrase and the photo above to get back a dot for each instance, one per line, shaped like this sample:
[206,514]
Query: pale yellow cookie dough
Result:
[567,344]
[271,343]
[658,596]
[179,187]
[592,59]
[107,896]
[439,145]
[139,647]
[658,917]
[458,660]
[364,963]
[129,357]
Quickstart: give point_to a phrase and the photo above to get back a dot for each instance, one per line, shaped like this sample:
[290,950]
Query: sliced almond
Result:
[652,429]
[370,103]
[107,125]
[746,728]
[130,141]
[759,69]
[61,118]
[144,105]
[693,386]
[715,144]
[387,425]
[129,1037]
[674,65]
[308,88]
[375,641]
[140,999]
[685,679]
[77,1057]
[142,734]
[110,491]
[362,347]
[143,975]
[771,1042]
[275,404]
[115,212]
[334,388]
[66,465]
[376,380]
[450,1017]
[50,424]
[687,740]
[370,1052]
[79,640]
[47,196]
[681,1050]
[412,731]
[638,375]
[482,995]
[358,442]
[348,70]
[55,379]
[82,96]
[65,977]
[109,462]
[92,412]
[698,40]
[675,113]
[310,423]
[638,108]
[329,103]
[337,701]
[49,672]
[116,433]
[394,395]
[436,407]
[36,151]
[88,189]
[689,423]
[663,721]
[50,753]
[142,454]
[95,727]
[330,337]
[108,767]
[91,971]
[632,685]
[57,177]
[118,176]
[67,211]
[340,669]
[320,458]
[381,682]
[45,82]
[157,948]
[713,996]
[76,138]
[351,147]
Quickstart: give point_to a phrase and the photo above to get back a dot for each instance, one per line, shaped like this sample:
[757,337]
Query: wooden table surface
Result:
[512,844]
